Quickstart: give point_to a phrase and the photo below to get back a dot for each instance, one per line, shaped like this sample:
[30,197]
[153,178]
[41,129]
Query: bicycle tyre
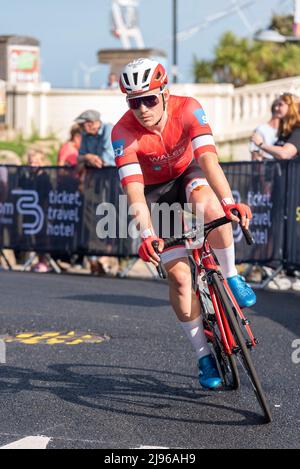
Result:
[244,352]
[227,363]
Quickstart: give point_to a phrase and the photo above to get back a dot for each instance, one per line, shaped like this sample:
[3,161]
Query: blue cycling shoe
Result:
[209,376]
[243,293]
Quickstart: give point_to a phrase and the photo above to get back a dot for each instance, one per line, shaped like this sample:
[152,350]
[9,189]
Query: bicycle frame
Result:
[207,266]
[225,324]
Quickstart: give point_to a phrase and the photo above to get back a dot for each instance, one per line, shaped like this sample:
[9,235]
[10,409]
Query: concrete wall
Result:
[233,113]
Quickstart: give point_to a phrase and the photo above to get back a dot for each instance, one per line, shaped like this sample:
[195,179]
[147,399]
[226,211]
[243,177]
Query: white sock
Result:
[226,258]
[195,333]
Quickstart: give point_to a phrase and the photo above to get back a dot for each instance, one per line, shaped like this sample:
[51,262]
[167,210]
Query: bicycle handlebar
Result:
[160,268]
[193,234]
[247,233]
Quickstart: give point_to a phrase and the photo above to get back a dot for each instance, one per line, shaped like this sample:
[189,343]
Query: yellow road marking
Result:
[75,342]
[49,335]
[56,338]
[63,337]
[55,341]
[24,336]
[30,341]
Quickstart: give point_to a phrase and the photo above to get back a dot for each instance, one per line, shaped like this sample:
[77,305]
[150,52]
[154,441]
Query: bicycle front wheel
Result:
[231,314]
[226,363]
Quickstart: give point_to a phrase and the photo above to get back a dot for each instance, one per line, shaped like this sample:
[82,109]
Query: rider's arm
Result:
[205,152]
[218,182]
[215,176]
[132,180]
[131,176]
[138,207]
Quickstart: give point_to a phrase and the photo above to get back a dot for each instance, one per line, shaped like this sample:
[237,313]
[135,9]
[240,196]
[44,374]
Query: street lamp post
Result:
[175,48]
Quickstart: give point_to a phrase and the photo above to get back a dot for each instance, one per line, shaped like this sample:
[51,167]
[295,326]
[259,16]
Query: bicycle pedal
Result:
[236,350]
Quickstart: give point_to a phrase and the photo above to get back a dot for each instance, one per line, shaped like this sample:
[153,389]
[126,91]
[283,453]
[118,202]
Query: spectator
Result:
[36,159]
[39,180]
[269,134]
[96,149]
[112,82]
[69,151]
[287,147]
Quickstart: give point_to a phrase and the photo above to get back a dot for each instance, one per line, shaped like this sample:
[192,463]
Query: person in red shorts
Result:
[165,153]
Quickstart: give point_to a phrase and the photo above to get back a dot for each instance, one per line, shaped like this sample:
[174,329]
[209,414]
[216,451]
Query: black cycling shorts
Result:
[176,191]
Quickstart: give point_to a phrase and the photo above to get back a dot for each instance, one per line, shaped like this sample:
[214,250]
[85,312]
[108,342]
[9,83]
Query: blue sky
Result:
[72,31]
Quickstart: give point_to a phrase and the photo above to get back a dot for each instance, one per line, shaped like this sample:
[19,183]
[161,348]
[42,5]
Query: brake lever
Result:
[247,233]
[160,268]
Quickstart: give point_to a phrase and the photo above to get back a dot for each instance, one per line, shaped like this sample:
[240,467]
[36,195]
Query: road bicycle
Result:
[226,327]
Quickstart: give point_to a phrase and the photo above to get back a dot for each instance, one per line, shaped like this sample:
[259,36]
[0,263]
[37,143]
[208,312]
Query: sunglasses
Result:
[149,101]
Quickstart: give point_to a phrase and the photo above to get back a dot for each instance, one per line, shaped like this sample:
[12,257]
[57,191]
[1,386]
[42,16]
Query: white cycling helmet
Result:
[142,75]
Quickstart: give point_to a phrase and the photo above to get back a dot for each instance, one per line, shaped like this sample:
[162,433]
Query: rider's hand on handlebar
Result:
[243,209]
[147,251]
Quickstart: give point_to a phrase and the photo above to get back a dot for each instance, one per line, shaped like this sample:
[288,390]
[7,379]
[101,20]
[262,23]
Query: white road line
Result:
[152,447]
[30,442]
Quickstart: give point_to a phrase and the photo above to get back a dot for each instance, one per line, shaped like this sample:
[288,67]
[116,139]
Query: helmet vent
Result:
[158,76]
[125,76]
[146,75]
[135,78]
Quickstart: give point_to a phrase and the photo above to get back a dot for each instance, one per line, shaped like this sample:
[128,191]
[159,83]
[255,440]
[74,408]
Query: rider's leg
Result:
[183,298]
[186,304]
[221,240]
[187,308]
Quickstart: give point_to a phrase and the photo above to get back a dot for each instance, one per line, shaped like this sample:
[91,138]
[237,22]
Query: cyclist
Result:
[165,152]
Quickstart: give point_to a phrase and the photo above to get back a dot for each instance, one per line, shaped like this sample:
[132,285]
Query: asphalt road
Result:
[139,388]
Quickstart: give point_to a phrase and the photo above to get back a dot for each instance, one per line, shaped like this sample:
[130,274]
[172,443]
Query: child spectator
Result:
[37,176]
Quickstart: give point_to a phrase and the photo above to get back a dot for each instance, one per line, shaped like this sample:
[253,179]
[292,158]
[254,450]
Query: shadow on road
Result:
[126,391]
[128,300]
[281,307]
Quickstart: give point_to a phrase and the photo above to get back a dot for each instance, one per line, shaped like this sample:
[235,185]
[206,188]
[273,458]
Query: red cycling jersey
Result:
[151,158]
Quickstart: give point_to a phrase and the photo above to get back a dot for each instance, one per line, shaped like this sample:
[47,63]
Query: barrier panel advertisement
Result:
[59,210]
[293,216]
[262,186]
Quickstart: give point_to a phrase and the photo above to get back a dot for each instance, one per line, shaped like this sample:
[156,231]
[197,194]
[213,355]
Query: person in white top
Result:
[269,133]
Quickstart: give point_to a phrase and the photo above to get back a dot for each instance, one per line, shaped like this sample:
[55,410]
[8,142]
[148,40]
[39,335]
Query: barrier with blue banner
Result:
[60,210]
[263,187]
[56,210]
[292,244]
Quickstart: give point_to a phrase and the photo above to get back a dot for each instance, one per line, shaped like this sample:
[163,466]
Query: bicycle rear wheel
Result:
[230,311]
